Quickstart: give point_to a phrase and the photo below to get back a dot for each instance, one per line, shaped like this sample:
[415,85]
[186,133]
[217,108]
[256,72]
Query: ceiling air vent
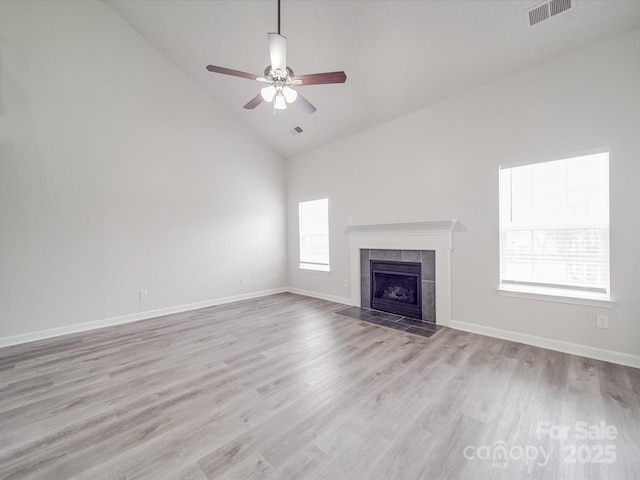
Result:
[546,10]
[538,14]
[558,6]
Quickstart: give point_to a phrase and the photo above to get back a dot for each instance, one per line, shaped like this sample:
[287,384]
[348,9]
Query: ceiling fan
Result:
[280,77]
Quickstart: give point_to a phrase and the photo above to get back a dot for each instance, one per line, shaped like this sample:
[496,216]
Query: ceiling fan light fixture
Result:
[280,103]
[268,93]
[290,94]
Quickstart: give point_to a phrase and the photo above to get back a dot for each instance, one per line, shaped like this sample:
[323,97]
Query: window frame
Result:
[307,266]
[549,292]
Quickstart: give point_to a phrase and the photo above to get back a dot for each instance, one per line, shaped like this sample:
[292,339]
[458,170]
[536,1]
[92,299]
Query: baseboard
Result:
[321,296]
[551,344]
[134,317]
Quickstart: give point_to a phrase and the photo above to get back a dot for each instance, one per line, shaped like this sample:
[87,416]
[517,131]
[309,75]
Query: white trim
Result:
[587,302]
[133,317]
[310,269]
[427,235]
[433,226]
[321,296]
[551,344]
[557,345]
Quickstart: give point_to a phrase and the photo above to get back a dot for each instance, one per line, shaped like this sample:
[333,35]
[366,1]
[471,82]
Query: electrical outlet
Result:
[241,280]
[275,276]
[143,294]
[345,283]
[602,321]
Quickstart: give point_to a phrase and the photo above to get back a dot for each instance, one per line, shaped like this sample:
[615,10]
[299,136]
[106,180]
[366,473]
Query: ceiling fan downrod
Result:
[278,17]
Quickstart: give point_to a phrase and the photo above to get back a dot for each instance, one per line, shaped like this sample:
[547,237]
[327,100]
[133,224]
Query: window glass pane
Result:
[554,226]
[314,234]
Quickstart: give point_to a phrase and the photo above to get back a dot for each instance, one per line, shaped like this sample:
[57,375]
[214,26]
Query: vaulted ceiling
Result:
[399,56]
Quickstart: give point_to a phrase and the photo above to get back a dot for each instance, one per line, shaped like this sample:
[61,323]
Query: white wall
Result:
[447,157]
[117,173]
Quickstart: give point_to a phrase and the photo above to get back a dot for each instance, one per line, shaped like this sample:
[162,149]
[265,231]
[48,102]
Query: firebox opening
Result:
[395,287]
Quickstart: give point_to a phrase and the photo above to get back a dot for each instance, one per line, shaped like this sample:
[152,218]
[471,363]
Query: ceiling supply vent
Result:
[538,14]
[546,10]
[296,131]
[558,6]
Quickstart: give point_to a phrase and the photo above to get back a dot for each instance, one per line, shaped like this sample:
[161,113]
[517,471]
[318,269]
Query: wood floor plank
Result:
[282,387]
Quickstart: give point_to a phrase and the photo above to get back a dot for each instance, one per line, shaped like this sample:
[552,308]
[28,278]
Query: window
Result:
[314,234]
[554,227]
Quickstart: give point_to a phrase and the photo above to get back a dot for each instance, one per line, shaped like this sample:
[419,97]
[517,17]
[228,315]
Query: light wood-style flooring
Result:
[281,387]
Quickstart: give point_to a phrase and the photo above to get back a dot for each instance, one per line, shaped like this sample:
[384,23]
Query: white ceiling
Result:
[399,56]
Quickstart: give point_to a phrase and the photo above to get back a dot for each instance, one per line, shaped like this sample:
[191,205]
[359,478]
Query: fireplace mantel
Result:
[432,227]
[434,235]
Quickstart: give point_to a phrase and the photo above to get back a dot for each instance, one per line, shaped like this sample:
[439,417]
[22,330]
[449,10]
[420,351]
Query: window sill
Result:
[313,270]
[555,297]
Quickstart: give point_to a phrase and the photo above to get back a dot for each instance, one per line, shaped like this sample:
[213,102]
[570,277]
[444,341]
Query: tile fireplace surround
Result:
[427,260]
[434,236]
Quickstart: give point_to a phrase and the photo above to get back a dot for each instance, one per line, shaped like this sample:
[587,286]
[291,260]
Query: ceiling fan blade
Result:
[278,52]
[235,73]
[320,78]
[254,102]
[304,104]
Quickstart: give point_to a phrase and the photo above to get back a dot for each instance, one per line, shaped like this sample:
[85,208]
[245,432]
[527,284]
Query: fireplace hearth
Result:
[395,287]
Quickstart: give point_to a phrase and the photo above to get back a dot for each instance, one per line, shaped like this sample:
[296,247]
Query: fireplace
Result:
[395,287]
[428,242]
